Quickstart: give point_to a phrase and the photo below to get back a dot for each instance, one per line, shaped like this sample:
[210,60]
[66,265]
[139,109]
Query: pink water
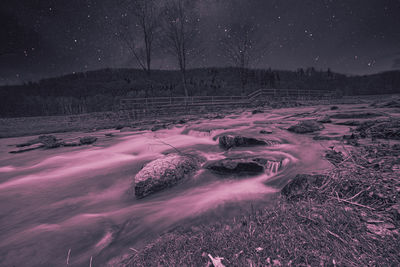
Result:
[81,198]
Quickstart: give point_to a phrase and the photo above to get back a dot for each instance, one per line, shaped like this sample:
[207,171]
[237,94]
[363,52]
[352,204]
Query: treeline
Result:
[102,90]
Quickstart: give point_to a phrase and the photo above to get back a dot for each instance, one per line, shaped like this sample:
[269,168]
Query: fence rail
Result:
[170,103]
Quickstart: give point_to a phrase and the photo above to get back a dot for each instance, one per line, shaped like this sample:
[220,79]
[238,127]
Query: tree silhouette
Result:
[180,21]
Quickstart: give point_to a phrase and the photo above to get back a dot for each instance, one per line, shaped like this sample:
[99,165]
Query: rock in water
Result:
[155,128]
[325,119]
[265,132]
[27,148]
[164,172]
[257,111]
[229,141]
[236,166]
[301,186]
[87,140]
[49,141]
[307,126]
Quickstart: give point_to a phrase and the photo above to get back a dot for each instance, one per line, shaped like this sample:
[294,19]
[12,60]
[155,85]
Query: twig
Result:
[346,159]
[335,235]
[338,237]
[356,195]
[91,259]
[134,250]
[69,254]
[353,203]
[168,144]
[357,204]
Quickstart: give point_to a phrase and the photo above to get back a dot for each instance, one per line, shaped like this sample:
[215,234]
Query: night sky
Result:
[43,38]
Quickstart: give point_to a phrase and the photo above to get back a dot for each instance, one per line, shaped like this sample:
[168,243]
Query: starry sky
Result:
[44,38]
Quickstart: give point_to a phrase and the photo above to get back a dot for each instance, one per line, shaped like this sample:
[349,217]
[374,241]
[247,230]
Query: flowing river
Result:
[79,201]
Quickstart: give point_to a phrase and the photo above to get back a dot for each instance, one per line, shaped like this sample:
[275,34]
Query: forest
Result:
[101,90]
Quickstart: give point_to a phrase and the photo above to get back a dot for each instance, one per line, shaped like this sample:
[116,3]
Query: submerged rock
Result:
[349,123]
[29,143]
[27,148]
[158,127]
[164,172]
[307,126]
[257,111]
[324,138]
[355,115]
[301,185]
[229,141]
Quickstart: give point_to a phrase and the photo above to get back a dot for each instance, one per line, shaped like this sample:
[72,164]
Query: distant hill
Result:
[101,90]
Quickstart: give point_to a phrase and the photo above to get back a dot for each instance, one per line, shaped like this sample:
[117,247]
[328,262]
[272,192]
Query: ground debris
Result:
[380,129]
[334,156]
[217,261]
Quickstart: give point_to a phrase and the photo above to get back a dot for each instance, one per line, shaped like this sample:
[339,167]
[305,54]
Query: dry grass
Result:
[341,222]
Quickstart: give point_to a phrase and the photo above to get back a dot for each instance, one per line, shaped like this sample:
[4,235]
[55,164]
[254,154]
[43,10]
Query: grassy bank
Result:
[348,217]
[28,126]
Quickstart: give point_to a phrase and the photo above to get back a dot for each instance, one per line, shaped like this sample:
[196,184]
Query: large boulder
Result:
[302,186]
[307,126]
[230,141]
[164,172]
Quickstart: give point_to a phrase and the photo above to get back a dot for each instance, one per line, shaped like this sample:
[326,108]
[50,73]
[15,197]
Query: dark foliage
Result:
[101,90]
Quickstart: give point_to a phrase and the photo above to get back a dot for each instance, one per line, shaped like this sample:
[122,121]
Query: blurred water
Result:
[81,198]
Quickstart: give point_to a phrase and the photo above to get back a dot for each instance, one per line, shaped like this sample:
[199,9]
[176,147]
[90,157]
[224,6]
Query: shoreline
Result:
[348,218]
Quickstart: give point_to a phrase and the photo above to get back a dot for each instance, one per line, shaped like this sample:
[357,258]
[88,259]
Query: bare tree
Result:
[180,31]
[145,22]
[242,45]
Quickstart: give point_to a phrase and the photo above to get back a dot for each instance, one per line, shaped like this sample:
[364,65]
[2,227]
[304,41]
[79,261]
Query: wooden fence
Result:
[170,105]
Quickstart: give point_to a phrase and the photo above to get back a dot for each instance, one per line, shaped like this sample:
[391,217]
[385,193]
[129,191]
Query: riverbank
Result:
[74,199]
[29,126]
[349,217]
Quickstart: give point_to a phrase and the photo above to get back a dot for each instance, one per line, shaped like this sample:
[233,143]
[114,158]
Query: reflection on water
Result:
[81,199]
